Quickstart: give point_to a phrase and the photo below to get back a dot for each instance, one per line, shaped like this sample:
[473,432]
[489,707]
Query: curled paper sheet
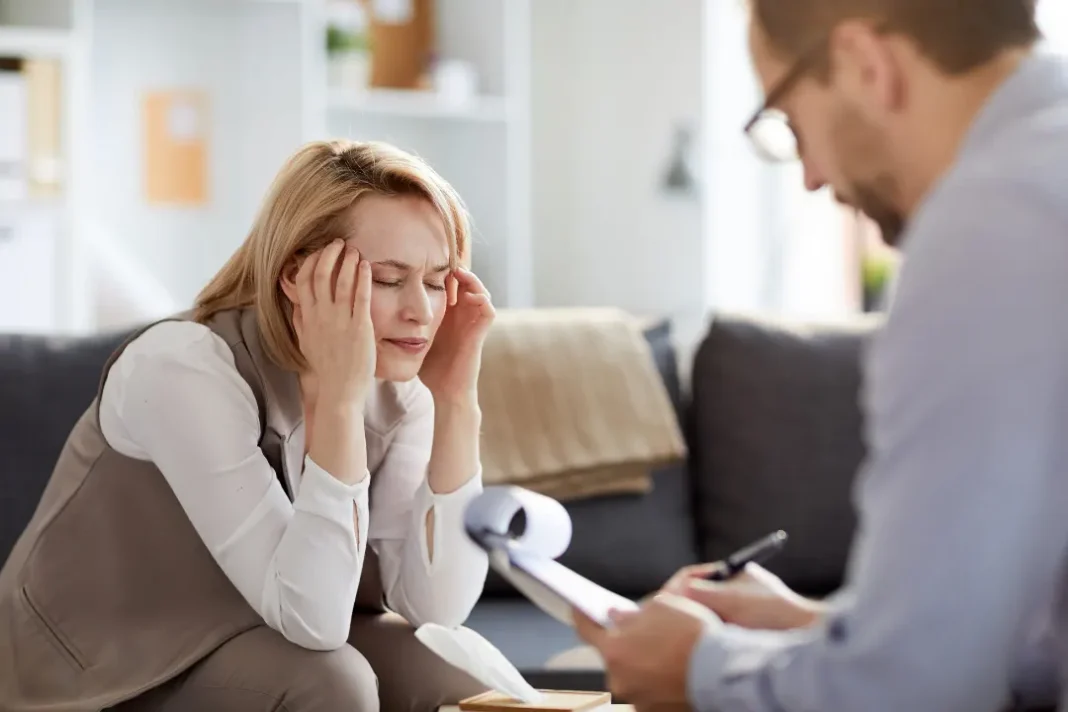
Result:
[547,526]
[526,558]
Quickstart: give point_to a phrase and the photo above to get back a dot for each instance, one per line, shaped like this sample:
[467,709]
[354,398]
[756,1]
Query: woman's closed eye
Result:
[394,283]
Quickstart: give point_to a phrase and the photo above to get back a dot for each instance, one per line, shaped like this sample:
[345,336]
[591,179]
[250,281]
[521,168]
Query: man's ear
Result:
[288,280]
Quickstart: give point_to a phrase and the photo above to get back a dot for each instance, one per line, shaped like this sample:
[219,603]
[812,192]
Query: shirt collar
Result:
[1041,78]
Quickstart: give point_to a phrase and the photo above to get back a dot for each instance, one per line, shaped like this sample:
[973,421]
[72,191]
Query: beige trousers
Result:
[384,667]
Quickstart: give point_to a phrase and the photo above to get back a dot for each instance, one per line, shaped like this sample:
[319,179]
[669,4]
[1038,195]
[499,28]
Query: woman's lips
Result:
[411,346]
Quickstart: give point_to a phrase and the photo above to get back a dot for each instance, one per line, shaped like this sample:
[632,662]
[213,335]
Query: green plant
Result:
[339,40]
[876,273]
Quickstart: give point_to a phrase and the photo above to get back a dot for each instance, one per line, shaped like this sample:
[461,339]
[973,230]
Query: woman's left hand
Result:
[451,367]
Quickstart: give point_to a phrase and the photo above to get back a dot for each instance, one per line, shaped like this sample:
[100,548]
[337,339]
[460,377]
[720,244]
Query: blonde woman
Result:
[299,447]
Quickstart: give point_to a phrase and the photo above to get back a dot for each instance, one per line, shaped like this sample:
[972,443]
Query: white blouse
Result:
[175,397]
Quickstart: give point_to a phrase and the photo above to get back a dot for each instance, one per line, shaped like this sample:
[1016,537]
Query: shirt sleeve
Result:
[962,532]
[444,589]
[174,397]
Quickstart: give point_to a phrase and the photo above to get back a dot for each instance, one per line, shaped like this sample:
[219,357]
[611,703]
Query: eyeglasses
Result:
[769,129]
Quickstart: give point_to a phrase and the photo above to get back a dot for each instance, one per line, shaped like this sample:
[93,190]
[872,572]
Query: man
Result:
[947,123]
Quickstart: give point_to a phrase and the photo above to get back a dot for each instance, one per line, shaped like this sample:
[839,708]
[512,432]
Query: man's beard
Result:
[870,200]
[861,146]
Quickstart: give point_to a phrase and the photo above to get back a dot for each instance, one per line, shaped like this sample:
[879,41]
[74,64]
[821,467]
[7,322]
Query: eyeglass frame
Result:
[797,72]
[802,66]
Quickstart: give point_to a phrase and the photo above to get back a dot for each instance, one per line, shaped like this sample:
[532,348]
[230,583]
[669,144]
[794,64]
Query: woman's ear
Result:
[288,280]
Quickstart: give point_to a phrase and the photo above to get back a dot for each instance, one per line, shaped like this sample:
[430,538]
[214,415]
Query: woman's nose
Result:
[417,306]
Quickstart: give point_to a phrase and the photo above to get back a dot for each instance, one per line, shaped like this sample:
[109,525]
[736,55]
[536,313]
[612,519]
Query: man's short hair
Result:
[955,35]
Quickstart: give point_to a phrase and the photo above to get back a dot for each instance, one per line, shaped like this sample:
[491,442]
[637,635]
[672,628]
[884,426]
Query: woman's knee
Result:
[307,680]
[341,679]
[261,672]
[411,677]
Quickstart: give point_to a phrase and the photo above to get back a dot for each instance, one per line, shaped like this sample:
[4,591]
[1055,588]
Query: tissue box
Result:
[553,701]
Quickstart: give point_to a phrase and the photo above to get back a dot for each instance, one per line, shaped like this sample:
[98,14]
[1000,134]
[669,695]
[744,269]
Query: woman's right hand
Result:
[333,323]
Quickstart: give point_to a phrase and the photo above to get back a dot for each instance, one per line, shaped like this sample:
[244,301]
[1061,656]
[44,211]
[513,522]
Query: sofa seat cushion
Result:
[776,442]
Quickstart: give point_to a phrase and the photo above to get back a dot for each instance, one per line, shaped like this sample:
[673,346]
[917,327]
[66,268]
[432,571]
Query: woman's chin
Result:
[397,370]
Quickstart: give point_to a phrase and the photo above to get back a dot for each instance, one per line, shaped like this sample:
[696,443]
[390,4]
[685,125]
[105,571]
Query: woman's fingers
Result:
[481,302]
[346,281]
[469,282]
[362,303]
[305,275]
[324,272]
[451,286]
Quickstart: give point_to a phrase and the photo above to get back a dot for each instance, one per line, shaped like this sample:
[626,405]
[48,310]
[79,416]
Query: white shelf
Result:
[34,42]
[30,206]
[419,104]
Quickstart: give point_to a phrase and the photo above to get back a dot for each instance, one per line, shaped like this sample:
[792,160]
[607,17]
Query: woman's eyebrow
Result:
[397,264]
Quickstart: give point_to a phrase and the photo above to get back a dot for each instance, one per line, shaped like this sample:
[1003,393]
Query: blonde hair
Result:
[303,212]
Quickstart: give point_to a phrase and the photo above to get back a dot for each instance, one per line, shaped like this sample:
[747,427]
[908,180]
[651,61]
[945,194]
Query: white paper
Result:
[548,529]
[572,589]
[528,561]
[465,649]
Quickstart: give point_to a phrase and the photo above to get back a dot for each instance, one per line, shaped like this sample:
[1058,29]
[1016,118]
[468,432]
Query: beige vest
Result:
[110,591]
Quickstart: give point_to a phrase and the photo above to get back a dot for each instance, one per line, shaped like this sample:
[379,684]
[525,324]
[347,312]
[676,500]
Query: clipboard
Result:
[550,585]
[523,533]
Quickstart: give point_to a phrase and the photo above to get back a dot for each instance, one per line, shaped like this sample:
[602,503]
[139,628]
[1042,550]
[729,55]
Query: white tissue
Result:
[465,649]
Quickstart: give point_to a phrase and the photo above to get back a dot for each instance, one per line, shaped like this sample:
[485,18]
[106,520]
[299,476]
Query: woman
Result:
[209,527]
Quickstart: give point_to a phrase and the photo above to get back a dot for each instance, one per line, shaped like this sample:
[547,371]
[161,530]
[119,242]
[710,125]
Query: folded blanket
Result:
[573,405]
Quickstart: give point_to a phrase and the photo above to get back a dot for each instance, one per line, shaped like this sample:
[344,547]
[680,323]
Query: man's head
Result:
[876,94]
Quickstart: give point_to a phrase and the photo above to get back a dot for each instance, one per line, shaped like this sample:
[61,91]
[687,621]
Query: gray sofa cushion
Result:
[777,442]
[46,385]
[633,543]
[526,635]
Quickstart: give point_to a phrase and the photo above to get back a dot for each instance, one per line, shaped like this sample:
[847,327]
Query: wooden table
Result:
[553,700]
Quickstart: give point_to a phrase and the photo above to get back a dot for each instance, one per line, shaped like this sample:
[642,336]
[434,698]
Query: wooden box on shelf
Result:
[402,47]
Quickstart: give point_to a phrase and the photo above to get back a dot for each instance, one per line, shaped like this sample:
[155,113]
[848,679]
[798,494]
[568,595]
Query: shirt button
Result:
[836,631]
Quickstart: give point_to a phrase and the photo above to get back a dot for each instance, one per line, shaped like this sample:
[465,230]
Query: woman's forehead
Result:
[400,228]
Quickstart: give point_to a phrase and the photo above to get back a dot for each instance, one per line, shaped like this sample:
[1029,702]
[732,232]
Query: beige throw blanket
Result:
[572,404]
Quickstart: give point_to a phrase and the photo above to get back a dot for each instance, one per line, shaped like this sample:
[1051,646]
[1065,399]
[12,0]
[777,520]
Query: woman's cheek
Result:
[439,303]
[382,309]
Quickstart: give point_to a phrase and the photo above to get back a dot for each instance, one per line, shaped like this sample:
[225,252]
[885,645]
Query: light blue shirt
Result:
[953,598]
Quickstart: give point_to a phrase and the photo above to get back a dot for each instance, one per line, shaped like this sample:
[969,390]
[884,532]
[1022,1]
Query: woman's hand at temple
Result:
[451,367]
[333,325]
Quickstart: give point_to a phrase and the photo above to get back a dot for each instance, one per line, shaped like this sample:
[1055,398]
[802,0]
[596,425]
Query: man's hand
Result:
[756,598]
[647,652]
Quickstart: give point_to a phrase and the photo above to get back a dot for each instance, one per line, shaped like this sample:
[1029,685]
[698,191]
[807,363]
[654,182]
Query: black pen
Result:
[756,552]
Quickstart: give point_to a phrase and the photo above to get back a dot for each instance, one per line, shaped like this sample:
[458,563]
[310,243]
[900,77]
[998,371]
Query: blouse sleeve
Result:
[175,397]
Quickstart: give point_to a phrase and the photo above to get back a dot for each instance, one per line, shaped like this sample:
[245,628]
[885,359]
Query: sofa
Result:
[771,420]
[770,412]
